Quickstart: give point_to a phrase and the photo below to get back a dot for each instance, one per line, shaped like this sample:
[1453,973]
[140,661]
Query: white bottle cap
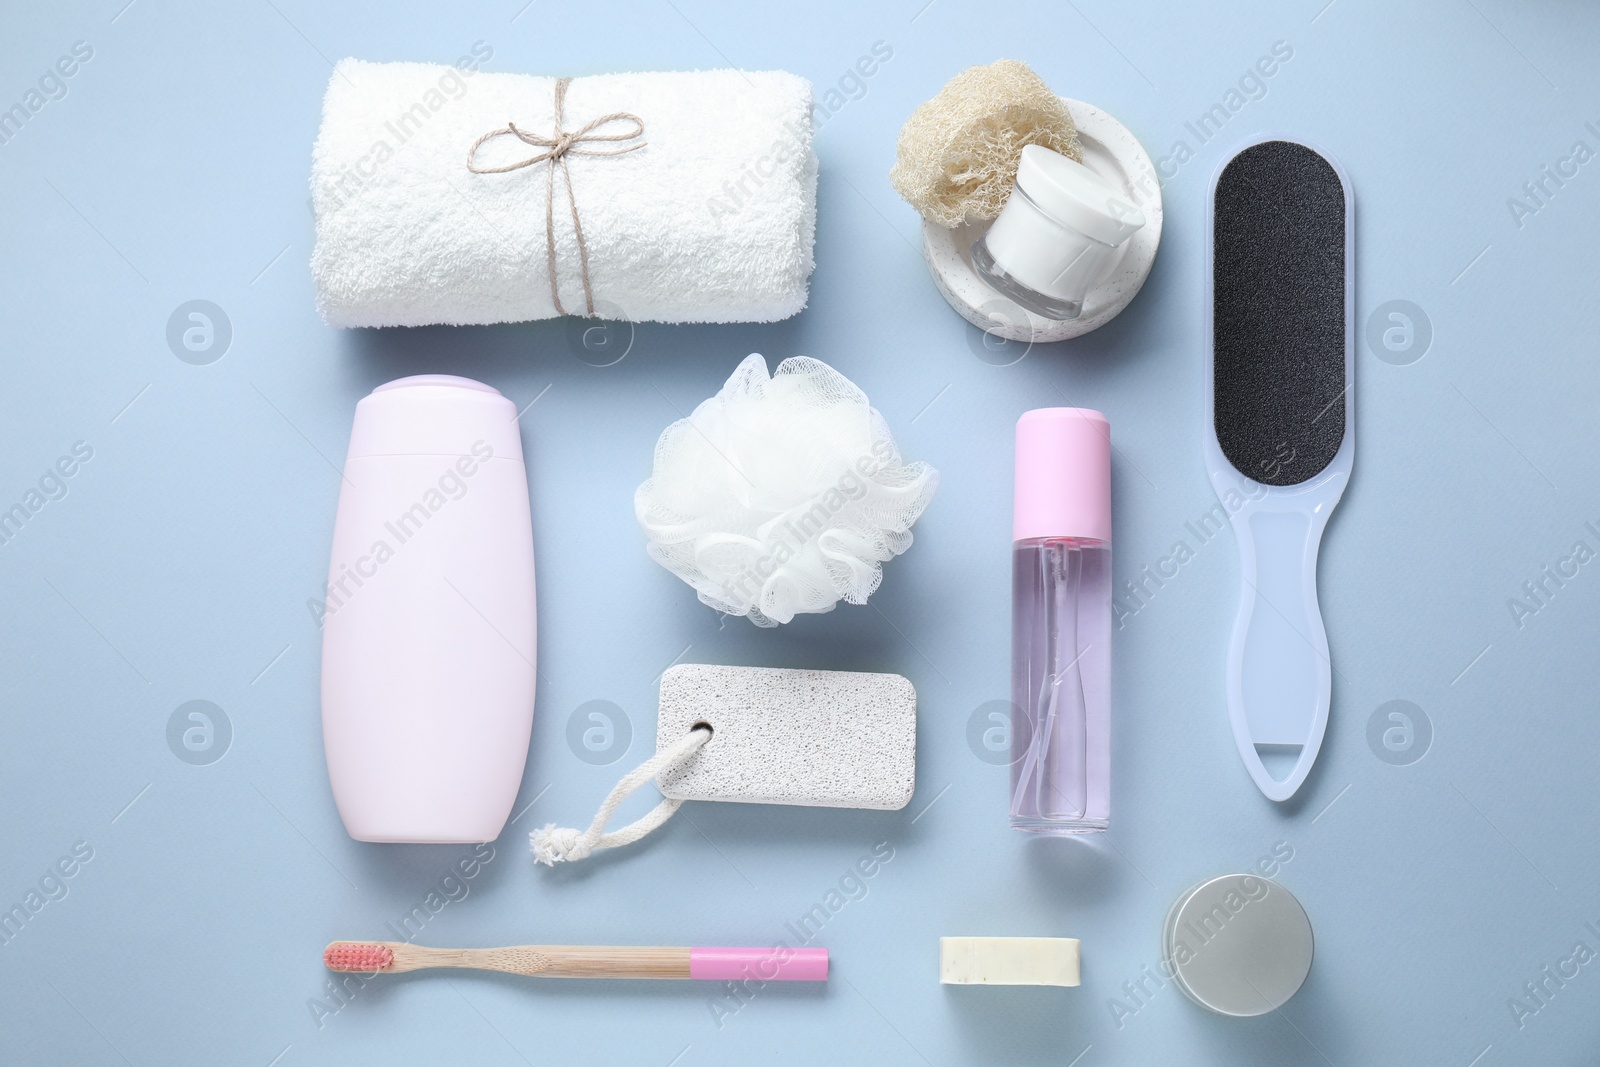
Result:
[1077,196]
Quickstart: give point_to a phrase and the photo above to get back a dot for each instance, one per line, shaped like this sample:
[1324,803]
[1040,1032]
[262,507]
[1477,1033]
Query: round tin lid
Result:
[1238,945]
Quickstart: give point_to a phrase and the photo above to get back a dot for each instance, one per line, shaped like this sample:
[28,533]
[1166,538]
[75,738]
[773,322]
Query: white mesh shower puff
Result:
[781,495]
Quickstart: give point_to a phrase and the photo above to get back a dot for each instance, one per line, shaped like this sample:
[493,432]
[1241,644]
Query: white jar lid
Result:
[1077,196]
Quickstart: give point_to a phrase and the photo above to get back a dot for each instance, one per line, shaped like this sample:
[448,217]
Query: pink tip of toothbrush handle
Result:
[780,964]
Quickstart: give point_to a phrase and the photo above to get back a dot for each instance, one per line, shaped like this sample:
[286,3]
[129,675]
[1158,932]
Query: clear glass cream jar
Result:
[1054,237]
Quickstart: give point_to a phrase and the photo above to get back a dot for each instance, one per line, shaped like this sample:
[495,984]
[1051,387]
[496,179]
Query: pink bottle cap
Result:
[435,415]
[1063,475]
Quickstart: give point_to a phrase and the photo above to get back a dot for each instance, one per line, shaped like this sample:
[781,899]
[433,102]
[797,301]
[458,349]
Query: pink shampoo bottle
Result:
[428,634]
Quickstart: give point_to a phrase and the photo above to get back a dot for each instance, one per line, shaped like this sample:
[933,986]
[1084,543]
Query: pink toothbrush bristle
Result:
[354,956]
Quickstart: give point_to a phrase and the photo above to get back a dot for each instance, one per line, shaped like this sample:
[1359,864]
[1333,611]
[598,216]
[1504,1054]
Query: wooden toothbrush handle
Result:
[550,961]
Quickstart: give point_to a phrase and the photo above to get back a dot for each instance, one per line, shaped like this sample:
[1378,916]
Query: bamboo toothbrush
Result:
[781,964]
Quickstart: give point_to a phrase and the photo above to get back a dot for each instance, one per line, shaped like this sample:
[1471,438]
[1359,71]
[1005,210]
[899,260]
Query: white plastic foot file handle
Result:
[1279,681]
[1280,445]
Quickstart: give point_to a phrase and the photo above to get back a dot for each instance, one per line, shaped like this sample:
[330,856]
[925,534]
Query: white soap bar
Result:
[836,739]
[1008,961]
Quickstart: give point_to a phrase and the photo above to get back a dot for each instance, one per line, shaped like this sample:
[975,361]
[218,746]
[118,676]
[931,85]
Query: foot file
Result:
[1281,439]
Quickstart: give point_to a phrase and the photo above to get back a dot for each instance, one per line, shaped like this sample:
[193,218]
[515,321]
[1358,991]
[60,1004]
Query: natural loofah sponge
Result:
[957,156]
[781,495]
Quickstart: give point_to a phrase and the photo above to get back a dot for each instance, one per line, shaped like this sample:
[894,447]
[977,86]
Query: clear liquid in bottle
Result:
[1061,685]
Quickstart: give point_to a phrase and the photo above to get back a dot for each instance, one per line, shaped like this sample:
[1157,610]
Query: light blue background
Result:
[179,564]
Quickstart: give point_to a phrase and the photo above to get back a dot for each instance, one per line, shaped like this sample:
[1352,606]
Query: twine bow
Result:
[558,146]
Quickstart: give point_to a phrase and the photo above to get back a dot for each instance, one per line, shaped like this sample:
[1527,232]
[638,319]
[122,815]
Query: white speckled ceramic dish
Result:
[1111,152]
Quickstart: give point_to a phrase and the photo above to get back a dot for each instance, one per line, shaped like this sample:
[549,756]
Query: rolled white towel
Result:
[712,220]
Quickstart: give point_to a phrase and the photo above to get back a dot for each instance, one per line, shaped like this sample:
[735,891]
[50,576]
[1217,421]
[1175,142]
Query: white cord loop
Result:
[554,844]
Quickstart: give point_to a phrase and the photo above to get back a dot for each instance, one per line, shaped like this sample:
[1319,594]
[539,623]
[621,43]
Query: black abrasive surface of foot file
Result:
[1278,312]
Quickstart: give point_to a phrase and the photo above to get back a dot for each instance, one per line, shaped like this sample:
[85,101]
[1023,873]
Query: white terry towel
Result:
[712,221]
